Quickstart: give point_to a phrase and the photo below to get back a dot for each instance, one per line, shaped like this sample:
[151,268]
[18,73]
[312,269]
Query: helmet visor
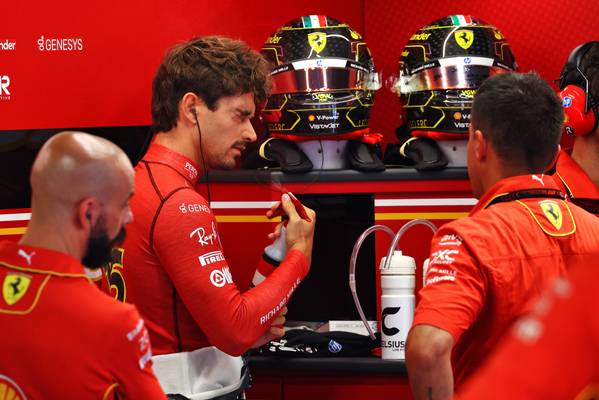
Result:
[322,75]
[453,73]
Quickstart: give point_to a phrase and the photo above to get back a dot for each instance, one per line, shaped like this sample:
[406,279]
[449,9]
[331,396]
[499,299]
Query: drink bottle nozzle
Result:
[279,212]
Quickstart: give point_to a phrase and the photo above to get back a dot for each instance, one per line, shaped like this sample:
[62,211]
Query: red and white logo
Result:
[443,256]
[140,335]
[26,256]
[205,238]
[193,208]
[4,84]
[538,178]
[450,240]
[211,257]
[191,170]
[59,44]
[7,45]
[220,277]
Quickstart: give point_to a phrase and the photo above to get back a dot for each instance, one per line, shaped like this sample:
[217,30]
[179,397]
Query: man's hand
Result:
[299,231]
[428,359]
[275,331]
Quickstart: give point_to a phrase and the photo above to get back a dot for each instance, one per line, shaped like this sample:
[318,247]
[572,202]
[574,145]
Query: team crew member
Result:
[61,337]
[521,234]
[577,170]
[204,96]
[553,353]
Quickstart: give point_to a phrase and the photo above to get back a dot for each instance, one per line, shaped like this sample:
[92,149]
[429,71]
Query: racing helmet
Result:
[323,81]
[440,69]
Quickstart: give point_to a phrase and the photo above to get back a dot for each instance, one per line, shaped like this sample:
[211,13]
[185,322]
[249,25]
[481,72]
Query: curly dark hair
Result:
[211,67]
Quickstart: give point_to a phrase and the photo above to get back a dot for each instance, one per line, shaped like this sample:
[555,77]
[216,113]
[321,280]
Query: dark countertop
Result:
[327,365]
[390,174]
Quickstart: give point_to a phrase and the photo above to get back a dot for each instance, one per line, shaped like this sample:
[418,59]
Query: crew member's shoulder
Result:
[107,310]
[187,201]
[482,227]
[159,177]
[583,217]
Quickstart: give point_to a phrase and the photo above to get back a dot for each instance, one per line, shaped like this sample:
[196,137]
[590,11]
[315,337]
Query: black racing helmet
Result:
[440,70]
[323,80]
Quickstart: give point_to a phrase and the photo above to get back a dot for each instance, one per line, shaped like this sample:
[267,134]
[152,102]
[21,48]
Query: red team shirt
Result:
[62,338]
[173,268]
[485,268]
[575,182]
[553,353]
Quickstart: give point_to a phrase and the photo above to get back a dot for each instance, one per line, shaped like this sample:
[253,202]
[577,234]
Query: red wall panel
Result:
[107,83]
[541,35]
[107,80]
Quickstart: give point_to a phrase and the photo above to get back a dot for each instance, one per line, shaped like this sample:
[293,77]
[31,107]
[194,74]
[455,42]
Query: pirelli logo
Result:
[212,257]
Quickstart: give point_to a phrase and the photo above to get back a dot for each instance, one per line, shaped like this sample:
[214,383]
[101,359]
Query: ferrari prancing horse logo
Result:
[464,38]
[317,41]
[14,287]
[553,213]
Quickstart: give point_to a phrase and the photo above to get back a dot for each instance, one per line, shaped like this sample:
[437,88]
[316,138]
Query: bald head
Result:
[72,166]
[81,186]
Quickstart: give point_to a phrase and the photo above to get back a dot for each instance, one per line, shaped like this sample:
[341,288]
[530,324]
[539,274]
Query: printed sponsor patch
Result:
[434,275]
[193,208]
[14,287]
[451,240]
[443,256]
[317,41]
[464,38]
[220,277]
[552,212]
[211,257]
[140,335]
[203,237]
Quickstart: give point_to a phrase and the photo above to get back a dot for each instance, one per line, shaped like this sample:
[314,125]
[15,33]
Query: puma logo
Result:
[540,179]
[26,256]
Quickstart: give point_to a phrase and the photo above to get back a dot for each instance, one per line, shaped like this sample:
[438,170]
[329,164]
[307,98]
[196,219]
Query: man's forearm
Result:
[428,359]
[431,381]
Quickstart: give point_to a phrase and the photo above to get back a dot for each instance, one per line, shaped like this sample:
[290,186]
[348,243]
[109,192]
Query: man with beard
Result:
[61,337]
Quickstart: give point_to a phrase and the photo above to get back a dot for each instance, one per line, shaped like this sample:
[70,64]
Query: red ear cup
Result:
[576,121]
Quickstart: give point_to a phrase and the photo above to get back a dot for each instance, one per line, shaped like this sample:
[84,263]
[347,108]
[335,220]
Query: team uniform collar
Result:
[576,181]
[39,260]
[177,161]
[535,183]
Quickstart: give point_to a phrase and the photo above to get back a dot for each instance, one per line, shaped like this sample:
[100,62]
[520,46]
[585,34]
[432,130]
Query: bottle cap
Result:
[400,265]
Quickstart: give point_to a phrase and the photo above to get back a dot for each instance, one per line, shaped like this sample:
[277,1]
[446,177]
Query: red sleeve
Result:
[455,288]
[131,358]
[550,354]
[189,249]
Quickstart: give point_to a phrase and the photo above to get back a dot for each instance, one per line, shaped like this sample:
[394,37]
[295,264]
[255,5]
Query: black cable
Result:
[206,176]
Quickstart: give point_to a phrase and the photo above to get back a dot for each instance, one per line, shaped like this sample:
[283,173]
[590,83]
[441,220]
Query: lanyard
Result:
[528,194]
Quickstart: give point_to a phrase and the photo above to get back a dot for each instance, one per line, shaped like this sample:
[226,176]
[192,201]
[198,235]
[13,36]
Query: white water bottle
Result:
[397,305]
[273,254]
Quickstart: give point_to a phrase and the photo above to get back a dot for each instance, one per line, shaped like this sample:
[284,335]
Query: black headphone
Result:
[580,106]
[88,215]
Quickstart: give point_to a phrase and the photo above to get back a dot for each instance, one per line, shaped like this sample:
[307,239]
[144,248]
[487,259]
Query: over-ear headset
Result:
[580,106]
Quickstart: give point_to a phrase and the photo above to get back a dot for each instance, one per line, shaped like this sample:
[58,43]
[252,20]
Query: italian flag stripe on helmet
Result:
[314,21]
[460,20]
